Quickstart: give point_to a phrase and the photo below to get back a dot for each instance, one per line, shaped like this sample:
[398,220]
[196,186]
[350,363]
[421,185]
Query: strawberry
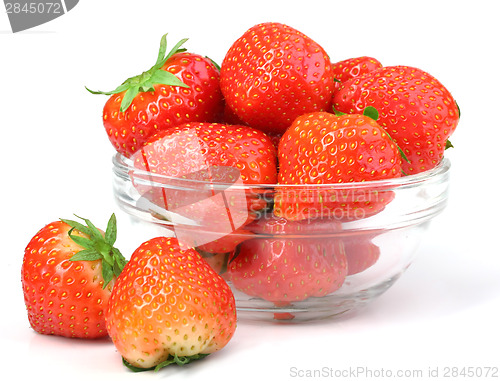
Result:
[289,264]
[415,109]
[169,306]
[360,251]
[353,68]
[189,150]
[68,273]
[225,244]
[323,148]
[274,73]
[181,87]
[201,168]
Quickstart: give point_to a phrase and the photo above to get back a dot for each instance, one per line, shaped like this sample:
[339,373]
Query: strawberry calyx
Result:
[96,247]
[178,360]
[145,81]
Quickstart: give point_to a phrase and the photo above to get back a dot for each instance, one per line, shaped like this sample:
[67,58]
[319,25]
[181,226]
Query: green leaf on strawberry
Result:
[181,87]
[371,112]
[75,262]
[145,81]
[97,246]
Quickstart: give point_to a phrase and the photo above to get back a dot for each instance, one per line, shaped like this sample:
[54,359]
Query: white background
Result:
[56,161]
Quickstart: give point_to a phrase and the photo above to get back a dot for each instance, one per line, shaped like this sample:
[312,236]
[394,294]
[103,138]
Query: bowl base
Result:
[327,307]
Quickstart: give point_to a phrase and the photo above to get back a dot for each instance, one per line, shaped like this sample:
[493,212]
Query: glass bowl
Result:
[290,252]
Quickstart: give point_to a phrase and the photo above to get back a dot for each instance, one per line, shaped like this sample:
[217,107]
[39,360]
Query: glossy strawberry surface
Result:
[417,111]
[325,149]
[197,170]
[64,288]
[272,74]
[353,68]
[166,106]
[169,305]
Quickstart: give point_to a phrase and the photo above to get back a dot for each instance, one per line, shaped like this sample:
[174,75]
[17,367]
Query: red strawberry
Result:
[201,151]
[68,273]
[229,117]
[169,306]
[197,158]
[353,68]
[417,111]
[288,264]
[181,87]
[225,244]
[360,251]
[322,148]
[274,73]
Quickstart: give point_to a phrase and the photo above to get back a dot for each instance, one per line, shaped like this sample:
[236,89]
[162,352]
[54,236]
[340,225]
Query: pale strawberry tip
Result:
[177,360]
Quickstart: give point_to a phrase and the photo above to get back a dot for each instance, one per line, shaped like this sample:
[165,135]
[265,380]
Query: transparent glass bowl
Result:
[290,253]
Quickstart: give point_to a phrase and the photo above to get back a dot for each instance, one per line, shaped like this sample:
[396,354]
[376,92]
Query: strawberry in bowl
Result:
[324,149]
[198,171]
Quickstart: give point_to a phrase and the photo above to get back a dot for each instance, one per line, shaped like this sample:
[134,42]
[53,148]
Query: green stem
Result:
[145,81]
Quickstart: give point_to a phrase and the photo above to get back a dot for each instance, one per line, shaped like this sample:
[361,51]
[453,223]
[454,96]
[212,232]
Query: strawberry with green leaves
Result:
[274,73]
[323,149]
[181,87]
[68,273]
[353,68]
[417,111]
[169,306]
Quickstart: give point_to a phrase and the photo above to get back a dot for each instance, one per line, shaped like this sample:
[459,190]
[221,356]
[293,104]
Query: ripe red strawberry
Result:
[169,306]
[323,148]
[197,158]
[417,111]
[289,264]
[274,73]
[68,273]
[353,68]
[188,150]
[181,87]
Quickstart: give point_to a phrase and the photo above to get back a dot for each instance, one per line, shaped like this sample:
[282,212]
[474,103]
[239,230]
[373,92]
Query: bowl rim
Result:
[124,166]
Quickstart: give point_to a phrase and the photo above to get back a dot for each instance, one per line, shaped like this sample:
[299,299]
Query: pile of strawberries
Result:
[277,112]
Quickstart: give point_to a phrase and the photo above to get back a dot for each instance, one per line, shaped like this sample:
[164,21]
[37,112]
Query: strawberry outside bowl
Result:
[289,252]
